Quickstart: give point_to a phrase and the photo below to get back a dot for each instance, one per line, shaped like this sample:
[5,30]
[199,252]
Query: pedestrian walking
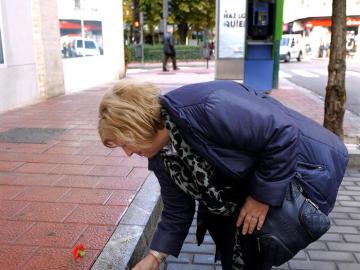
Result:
[169,51]
[321,49]
[246,158]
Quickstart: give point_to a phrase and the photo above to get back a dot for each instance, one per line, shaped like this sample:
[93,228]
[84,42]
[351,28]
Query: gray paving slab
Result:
[30,135]
[339,249]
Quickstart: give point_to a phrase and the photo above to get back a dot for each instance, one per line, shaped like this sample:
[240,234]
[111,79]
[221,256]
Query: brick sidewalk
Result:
[67,188]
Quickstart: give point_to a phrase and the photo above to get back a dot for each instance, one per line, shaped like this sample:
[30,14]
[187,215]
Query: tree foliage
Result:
[153,11]
[127,11]
[335,91]
[197,15]
[194,15]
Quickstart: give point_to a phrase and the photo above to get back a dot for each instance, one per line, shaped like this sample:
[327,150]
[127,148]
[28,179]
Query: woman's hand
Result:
[252,215]
[148,263]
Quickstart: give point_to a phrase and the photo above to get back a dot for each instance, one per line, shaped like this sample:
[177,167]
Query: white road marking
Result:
[353,73]
[135,70]
[321,71]
[283,74]
[304,73]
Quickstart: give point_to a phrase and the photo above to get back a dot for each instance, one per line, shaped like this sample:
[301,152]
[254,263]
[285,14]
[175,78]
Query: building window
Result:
[77,5]
[81,38]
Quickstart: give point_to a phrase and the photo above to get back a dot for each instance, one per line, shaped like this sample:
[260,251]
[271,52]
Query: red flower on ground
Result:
[78,251]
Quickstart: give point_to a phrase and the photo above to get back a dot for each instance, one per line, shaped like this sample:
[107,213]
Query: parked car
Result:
[291,47]
[78,46]
[85,47]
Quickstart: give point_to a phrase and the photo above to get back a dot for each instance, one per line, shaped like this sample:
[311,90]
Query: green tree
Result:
[335,91]
[127,11]
[198,15]
[130,16]
[153,12]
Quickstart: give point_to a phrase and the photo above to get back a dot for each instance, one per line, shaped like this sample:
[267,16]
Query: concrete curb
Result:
[132,236]
[354,155]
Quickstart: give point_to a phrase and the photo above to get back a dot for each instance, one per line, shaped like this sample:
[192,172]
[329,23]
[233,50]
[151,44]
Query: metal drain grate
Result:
[30,135]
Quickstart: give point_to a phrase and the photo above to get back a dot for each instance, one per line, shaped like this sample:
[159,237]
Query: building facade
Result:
[312,19]
[32,62]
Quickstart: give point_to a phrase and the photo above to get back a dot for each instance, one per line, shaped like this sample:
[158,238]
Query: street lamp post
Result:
[165,15]
[142,36]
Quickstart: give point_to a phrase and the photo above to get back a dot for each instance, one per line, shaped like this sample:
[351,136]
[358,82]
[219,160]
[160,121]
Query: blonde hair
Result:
[130,112]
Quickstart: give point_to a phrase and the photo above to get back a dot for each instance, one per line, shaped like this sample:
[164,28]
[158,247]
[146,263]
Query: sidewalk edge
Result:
[134,232]
[354,154]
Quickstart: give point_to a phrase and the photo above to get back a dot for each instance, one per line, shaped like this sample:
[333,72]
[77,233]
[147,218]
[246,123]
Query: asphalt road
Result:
[312,75]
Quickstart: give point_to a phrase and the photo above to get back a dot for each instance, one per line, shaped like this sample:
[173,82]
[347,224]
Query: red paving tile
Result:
[12,257]
[49,212]
[118,152]
[35,179]
[88,196]
[79,138]
[96,237]
[75,131]
[11,230]
[110,170]
[59,259]
[139,172]
[73,143]
[36,168]
[52,235]
[42,194]
[120,183]
[7,178]
[25,157]
[9,166]
[23,148]
[110,161]
[9,208]
[72,169]
[78,181]
[96,214]
[62,150]
[9,192]
[121,197]
[94,150]
[135,161]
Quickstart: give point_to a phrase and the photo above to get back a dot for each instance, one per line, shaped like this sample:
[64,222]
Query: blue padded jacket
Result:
[249,137]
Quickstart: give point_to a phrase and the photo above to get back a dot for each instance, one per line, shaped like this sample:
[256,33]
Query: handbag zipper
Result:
[312,203]
[310,166]
[258,243]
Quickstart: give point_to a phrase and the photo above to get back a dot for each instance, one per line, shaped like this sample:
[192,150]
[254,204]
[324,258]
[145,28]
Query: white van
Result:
[78,46]
[291,47]
[85,47]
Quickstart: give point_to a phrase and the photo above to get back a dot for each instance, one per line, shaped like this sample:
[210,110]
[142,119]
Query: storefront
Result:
[34,64]
[91,42]
[316,33]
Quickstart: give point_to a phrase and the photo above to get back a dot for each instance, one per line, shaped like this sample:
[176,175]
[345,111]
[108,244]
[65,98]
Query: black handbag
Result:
[291,227]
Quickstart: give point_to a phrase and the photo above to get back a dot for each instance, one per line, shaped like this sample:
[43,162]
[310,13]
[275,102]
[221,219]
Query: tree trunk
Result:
[183,29]
[335,91]
[136,18]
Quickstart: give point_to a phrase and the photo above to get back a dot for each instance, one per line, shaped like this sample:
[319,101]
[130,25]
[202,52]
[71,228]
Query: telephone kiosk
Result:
[259,60]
